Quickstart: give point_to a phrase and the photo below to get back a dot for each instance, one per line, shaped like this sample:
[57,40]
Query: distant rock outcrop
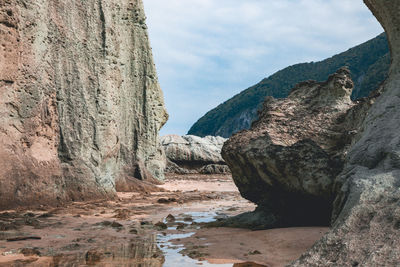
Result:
[288,161]
[193,154]
[80,102]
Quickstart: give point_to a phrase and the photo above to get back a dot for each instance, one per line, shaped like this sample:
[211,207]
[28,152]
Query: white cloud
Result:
[208,50]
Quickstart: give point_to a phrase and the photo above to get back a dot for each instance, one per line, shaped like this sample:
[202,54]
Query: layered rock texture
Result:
[288,161]
[80,103]
[193,154]
[366,228]
[363,182]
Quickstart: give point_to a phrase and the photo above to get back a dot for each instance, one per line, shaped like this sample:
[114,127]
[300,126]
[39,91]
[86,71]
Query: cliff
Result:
[79,99]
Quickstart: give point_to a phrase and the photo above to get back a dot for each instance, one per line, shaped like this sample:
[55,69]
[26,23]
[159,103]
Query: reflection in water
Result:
[142,254]
[173,257]
[135,253]
[248,264]
[148,250]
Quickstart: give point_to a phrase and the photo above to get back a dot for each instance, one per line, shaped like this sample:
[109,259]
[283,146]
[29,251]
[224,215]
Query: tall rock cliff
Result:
[79,99]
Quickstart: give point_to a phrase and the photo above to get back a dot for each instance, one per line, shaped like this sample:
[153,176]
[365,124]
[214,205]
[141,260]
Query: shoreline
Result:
[81,232]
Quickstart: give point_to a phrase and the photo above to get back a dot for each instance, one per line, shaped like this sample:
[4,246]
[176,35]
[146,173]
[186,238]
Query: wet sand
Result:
[276,247]
[124,232]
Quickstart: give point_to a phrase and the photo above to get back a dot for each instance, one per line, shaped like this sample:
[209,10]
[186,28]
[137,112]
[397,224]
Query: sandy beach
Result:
[127,231]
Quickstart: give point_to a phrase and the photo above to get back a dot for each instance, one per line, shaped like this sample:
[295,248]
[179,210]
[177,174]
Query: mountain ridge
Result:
[368,63]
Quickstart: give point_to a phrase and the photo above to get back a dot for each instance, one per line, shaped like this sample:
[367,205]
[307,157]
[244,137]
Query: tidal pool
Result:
[172,252]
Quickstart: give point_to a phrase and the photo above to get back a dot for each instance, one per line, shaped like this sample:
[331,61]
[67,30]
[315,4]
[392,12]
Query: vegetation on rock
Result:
[368,64]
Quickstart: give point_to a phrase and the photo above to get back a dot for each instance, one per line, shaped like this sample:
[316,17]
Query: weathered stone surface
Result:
[139,180]
[215,169]
[366,229]
[366,191]
[193,154]
[79,99]
[288,161]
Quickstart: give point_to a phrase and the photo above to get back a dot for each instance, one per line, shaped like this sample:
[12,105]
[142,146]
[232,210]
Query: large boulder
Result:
[364,185]
[366,217]
[288,161]
[193,154]
[79,99]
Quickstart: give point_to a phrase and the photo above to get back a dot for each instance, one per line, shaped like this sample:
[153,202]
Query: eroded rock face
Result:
[288,161]
[193,154]
[79,99]
[366,228]
[366,192]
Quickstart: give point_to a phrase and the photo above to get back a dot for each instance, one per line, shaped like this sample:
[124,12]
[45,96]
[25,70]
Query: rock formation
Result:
[363,181]
[79,99]
[193,154]
[368,63]
[288,161]
[366,217]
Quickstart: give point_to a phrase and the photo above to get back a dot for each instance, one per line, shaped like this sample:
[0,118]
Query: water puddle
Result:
[172,252]
[136,253]
[144,249]
[172,255]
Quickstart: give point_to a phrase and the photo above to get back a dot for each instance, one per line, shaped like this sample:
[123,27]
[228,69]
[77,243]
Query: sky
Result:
[207,51]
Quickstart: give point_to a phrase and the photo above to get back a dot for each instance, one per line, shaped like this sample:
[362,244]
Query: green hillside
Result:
[368,63]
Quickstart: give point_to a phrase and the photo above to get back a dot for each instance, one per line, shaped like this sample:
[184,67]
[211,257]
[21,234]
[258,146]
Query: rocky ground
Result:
[149,229]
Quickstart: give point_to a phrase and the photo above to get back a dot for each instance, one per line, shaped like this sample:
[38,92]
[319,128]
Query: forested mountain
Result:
[368,63]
